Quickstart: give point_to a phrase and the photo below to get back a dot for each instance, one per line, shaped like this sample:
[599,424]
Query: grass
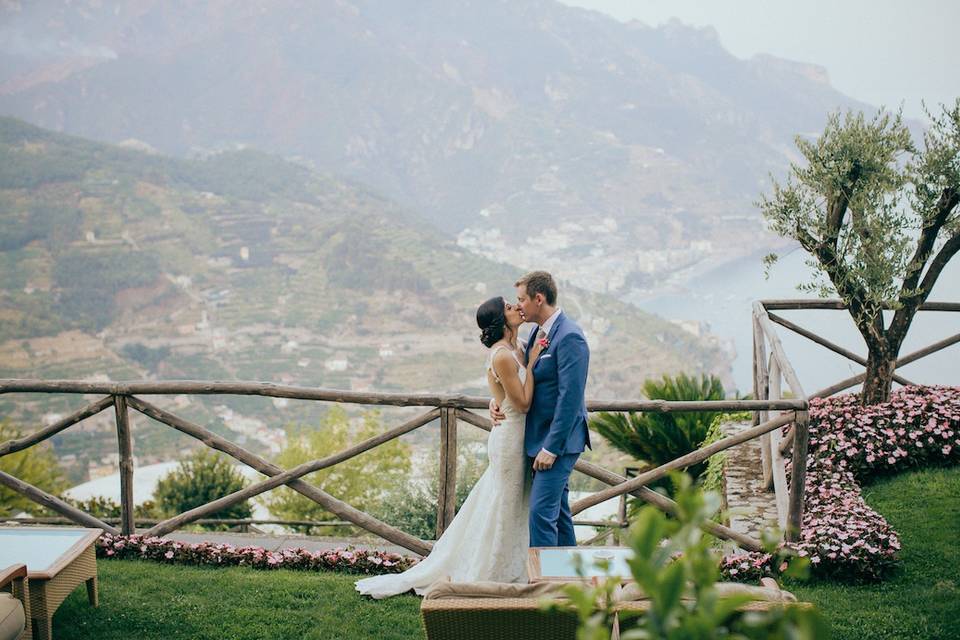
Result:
[150,601]
[147,600]
[923,599]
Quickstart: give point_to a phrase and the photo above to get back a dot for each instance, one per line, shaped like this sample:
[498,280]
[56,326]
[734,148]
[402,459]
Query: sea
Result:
[722,299]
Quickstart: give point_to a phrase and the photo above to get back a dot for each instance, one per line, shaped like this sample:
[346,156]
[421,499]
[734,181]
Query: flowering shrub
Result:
[347,559]
[850,445]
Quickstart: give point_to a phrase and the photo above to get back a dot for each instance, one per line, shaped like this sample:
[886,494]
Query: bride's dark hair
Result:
[492,320]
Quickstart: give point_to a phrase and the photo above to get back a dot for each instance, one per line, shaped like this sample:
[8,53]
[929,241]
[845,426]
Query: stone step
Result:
[751,507]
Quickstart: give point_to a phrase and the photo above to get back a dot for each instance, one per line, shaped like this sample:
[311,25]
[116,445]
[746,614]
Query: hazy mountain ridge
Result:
[505,116]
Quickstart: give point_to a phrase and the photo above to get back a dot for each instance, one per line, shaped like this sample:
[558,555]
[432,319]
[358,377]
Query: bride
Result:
[488,538]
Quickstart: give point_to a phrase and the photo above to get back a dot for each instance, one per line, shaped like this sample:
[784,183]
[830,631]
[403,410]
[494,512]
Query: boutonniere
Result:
[543,342]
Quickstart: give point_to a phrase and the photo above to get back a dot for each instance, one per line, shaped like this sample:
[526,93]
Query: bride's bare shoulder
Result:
[504,362]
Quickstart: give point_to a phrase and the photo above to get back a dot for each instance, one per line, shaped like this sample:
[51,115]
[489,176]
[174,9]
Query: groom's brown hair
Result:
[539,282]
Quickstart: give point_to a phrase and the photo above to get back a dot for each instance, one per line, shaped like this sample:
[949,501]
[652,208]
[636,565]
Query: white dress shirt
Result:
[549,322]
[546,326]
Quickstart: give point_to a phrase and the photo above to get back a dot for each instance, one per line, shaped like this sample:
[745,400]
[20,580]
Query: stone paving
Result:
[752,507]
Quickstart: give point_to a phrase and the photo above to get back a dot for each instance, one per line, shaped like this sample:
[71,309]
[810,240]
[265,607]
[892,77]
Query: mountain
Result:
[620,154]
[121,264]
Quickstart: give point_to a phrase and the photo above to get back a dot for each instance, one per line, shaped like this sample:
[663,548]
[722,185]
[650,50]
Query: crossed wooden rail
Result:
[450,410]
[769,373]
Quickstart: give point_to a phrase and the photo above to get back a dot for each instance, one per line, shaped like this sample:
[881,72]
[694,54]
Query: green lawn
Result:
[923,599]
[142,601]
[147,601]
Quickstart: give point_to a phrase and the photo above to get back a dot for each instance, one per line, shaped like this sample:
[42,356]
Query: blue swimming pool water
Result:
[38,548]
[560,562]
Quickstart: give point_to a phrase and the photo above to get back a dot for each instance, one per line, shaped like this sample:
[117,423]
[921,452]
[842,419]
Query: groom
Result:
[556,429]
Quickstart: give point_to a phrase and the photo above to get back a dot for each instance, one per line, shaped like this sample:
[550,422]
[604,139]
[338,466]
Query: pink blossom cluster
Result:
[346,559]
[850,445]
[746,567]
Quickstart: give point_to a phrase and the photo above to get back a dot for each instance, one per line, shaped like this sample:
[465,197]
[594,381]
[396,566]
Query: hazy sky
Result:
[878,51]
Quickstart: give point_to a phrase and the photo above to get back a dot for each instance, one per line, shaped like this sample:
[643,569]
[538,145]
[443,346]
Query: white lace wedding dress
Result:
[489,536]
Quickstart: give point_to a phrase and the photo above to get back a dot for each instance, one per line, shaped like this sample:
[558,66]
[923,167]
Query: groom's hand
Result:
[496,415]
[543,461]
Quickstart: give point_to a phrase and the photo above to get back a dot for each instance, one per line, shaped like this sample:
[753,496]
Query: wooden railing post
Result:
[770,388]
[778,476]
[447,494]
[798,475]
[125,445]
[761,391]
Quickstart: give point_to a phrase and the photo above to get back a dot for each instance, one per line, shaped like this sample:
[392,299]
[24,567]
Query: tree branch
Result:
[903,316]
[910,296]
[827,256]
[947,252]
[928,236]
[835,212]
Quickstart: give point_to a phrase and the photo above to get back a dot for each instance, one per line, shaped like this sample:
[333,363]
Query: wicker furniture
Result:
[447,615]
[58,559]
[14,603]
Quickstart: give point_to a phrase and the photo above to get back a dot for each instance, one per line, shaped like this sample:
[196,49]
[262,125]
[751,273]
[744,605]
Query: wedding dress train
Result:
[489,536]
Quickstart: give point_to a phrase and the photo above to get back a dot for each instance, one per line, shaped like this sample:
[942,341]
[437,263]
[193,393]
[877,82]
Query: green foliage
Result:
[712,479]
[89,282]
[657,438]
[202,477]
[103,507]
[21,169]
[860,161]
[412,507]
[362,481]
[148,357]
[875,213]
[36,465]
[356,260]
[246,174]
[39,221]
[675,566]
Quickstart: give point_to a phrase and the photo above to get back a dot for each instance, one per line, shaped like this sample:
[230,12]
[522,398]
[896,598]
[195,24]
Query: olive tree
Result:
[878,216]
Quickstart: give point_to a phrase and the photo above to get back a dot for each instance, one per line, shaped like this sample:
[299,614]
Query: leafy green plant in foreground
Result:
[677,570]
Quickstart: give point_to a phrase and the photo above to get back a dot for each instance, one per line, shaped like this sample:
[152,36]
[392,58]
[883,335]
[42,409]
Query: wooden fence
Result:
[769,373]
[450,411]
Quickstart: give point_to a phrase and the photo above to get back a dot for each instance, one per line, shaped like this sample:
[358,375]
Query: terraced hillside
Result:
[122,264]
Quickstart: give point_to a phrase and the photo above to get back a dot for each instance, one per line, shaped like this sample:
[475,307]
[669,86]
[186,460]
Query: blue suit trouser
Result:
[551,523]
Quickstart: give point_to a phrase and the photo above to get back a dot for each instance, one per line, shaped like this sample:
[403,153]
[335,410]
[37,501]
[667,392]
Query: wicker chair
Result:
[480,616]
[14,603]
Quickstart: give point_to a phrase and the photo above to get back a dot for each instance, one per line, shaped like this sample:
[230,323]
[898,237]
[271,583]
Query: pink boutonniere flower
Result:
[543,342]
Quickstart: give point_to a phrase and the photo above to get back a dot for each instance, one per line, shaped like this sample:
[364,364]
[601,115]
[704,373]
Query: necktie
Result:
[541,334]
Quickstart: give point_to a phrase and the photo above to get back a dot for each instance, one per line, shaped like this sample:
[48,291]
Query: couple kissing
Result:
[540,429]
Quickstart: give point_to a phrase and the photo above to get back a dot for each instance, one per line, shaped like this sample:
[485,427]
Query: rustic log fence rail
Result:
[450,410]
[768,375]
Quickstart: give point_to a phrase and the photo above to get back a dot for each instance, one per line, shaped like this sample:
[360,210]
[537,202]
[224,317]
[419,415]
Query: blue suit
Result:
[557,422]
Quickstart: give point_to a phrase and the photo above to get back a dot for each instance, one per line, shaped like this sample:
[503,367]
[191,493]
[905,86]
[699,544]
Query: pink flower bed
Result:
[348,559]
[850,445]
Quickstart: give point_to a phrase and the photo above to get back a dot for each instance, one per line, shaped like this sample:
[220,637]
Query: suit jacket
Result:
[557,418]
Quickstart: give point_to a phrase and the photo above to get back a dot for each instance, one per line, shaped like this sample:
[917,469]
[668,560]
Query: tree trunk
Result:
[879,380]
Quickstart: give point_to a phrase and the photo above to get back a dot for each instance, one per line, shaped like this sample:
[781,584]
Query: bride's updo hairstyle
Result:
[491,319]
